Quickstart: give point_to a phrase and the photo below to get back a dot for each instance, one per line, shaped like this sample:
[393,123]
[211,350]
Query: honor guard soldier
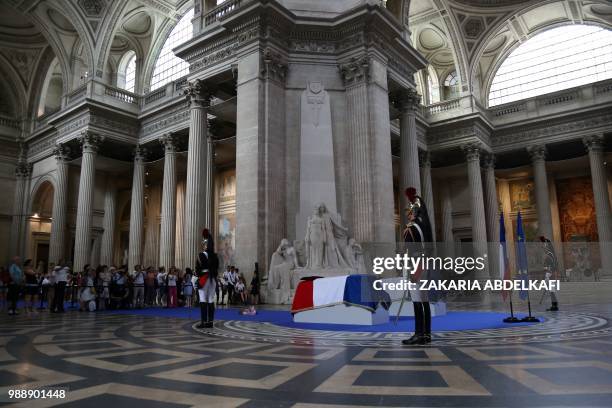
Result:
[207,265]
[551,265]
[418,237]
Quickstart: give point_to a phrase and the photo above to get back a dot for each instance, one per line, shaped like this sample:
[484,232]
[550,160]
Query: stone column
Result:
[595,146]
[427,189]
[477,209]
[447,214]
[179,257]
[368,127]
[57,243]
[538,156]
[261,220]
[199,95]
[492,211]
[409,175]
[137,209]
[23,173]
[448,247]
[210,181]
[168,209]
[109,222]
[82,245]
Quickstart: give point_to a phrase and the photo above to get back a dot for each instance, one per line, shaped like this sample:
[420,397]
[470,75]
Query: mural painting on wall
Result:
[578,225]
[226,226]
[522,195]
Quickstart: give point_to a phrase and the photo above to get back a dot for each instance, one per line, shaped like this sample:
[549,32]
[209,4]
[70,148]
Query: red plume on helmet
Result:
[411,193]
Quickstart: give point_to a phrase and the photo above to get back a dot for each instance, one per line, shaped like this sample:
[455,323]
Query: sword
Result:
[542,298]
[399,310]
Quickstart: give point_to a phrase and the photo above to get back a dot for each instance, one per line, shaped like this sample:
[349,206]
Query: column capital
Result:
[406,100]
[61,152]
[90,141]
[169,141]
[537,152]
[472,151]
[594,143]
[355,71]
[23,169]
[424,158]
[199,93]
[488,161]
[140,153]
[273,66]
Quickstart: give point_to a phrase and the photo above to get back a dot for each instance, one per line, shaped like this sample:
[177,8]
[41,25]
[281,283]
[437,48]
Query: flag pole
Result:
[511,318]
[529,317]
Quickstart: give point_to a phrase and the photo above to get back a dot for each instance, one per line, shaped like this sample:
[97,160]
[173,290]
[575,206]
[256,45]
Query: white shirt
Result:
[138,277]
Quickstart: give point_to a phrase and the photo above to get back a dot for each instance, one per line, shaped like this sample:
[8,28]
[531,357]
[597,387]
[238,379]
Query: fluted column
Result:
[23,173]
[409,173]
[368,127]
[199,96]
[82,245]
[447,214]
[210,180]
[57,243]
[168,210]
[595,146]
[491,209]
[109,222]
[137,209]
[179,258]
[427,189]
[538,158]
[477,210]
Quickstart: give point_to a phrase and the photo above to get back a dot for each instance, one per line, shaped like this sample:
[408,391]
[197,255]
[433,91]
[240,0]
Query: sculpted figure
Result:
[322,237]
[283,263]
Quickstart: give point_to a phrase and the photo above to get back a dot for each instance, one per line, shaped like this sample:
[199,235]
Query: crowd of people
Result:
[110,287]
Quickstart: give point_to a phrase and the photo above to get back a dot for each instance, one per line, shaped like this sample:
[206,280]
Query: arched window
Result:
[560,58]
[126,72]
[451,86]
[130,74]
[168,66]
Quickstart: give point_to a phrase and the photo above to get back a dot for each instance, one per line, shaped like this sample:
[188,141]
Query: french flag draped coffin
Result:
[353,290]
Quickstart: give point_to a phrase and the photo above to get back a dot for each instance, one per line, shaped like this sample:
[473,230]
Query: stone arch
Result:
[42,192]
[11,83]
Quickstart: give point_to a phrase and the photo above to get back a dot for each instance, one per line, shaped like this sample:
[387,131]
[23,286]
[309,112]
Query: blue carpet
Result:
[451,321]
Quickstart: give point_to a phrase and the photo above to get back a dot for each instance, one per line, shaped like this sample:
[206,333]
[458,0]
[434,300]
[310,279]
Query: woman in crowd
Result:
[241,289]
[87,296]
[150,282]
[172,287]
[255,287]
[31,287]
[161,286]
[188,287]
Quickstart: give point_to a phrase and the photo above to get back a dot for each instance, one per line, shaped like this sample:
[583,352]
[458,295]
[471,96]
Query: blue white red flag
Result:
[521,256]
[504,263]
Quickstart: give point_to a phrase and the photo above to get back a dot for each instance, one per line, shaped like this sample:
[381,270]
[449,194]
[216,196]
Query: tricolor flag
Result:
[521,256]
[504,264]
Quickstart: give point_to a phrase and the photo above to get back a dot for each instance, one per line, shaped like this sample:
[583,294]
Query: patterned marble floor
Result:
[104,360]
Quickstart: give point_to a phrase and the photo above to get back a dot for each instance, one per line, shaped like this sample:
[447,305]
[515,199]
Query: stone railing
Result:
[557,98]
[154,95]
[169,92]
[508,109]
[221,11]
[120,94]
[443,106]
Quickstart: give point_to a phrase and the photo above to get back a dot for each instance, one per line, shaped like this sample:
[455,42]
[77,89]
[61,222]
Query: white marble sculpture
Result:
[328,251]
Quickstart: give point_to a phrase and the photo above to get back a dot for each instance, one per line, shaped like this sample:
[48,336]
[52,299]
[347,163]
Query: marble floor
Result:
[104,360]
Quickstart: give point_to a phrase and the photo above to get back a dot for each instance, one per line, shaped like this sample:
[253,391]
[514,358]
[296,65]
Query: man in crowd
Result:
[15,285]
[138,277]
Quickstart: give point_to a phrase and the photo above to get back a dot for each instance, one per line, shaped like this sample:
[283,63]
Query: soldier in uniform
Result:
[551,266]
[207,266]
[418,237]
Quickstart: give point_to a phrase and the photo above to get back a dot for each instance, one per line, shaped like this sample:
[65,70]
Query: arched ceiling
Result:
[478,34]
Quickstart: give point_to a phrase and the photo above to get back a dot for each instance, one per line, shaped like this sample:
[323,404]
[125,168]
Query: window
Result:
[560,58]
[168,66]
[130,74]
[451,86]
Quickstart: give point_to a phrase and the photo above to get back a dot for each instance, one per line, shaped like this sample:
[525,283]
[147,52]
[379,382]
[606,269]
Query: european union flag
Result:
[521,256]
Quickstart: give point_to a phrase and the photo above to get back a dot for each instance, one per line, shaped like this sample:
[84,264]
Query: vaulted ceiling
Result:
[474,36]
